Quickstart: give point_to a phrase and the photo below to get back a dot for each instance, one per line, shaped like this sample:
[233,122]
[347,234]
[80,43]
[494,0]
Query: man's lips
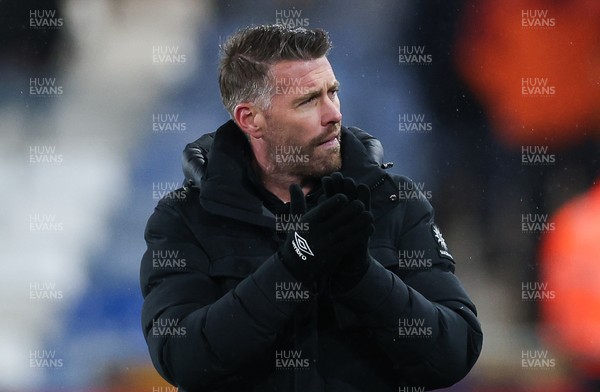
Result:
[332,140]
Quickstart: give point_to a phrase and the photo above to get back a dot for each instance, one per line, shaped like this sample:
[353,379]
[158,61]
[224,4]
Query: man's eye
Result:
[311,99]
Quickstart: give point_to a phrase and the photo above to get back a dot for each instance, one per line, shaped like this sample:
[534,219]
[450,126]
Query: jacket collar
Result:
[227,190]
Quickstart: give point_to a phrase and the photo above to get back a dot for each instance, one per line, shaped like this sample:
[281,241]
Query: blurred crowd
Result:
[492,107]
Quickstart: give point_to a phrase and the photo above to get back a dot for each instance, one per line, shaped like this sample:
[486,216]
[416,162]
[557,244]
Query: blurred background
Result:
[492,107]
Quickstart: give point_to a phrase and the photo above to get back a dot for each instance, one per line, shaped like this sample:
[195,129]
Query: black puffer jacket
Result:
[221,312]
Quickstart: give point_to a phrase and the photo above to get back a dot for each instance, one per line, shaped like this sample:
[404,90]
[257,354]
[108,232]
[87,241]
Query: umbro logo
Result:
[441,242]
[301,247]
[437,233]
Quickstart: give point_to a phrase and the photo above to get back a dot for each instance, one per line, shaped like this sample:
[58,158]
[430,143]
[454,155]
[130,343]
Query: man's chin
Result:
[326,165]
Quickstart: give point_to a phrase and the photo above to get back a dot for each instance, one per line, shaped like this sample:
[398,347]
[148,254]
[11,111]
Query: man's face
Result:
[302,126]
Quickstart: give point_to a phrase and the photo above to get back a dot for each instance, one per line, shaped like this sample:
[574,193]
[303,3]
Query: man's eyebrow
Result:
[312,93]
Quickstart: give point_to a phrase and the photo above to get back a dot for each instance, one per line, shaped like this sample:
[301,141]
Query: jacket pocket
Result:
[233,259]
[229,270]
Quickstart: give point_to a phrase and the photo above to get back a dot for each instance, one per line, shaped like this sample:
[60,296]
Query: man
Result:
[289,267]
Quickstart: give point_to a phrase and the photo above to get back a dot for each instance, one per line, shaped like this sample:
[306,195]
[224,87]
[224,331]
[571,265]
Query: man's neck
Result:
[278,183]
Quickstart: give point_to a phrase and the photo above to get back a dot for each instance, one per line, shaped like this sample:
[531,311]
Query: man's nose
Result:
[331,112]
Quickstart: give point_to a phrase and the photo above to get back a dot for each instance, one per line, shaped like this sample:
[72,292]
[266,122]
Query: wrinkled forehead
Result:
[307,73]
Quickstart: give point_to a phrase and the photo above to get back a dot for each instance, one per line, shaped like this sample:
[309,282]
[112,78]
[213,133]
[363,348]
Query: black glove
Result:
[332,226]
[355,260]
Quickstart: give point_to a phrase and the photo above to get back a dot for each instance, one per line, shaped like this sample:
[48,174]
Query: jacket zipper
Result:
[378,183]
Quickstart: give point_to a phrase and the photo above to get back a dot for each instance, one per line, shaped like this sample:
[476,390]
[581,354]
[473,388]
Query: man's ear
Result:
[249,118]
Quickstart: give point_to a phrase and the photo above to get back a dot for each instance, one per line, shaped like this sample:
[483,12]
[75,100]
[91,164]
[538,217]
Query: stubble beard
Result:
[309,161]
